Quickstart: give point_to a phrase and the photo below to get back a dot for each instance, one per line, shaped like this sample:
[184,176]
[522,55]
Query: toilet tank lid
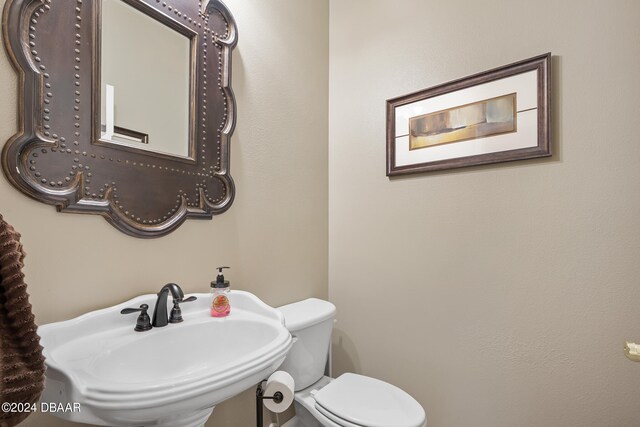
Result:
[305,313]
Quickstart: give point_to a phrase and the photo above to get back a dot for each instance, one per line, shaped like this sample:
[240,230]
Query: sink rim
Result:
[107,395]
[94,382]
[122,342]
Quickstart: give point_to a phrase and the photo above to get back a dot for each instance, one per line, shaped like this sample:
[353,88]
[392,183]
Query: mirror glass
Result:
[145,84]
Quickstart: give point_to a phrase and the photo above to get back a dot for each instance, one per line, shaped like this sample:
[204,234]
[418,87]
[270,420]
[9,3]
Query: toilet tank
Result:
[310,323]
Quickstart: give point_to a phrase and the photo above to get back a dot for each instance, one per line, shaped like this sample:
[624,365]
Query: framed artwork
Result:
[495,116]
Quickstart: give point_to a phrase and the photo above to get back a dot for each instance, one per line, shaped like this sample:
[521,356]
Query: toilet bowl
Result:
[350,400]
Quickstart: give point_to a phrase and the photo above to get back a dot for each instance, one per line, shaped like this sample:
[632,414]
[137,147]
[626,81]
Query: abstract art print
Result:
[476,120]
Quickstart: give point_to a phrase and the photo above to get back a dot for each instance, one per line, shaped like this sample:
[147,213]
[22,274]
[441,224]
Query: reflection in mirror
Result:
[145,84]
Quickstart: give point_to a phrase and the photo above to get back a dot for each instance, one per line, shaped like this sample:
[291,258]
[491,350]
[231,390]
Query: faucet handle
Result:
[176,312]
[143,323]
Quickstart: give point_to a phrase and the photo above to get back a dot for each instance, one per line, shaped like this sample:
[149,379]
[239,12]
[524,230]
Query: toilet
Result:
[350,400]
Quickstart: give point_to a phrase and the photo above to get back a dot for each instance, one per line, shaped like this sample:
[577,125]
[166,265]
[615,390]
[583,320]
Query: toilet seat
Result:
[353,400]
[337,421]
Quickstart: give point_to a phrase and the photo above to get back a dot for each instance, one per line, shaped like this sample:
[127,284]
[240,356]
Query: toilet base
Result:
[293,422]
[305,406]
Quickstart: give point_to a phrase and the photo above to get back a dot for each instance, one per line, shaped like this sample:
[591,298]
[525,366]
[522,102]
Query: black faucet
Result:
[160,317]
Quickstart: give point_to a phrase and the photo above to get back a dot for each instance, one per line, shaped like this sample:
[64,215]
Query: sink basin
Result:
[169,376]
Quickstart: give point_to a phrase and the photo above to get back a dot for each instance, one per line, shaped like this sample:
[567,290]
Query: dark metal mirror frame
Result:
[57,157]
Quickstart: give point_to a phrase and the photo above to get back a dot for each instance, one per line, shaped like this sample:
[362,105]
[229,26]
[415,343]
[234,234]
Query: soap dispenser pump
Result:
[220,306]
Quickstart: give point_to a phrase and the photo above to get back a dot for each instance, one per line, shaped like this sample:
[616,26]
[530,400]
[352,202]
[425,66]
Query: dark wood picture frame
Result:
[542,144]
[57,157]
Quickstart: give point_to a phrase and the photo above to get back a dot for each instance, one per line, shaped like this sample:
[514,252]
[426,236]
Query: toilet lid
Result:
[368,402]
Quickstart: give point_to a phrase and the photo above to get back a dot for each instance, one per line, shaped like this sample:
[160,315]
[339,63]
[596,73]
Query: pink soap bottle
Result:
[220,306]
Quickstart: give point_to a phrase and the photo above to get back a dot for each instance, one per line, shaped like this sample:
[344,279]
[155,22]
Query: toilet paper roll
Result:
[282,382]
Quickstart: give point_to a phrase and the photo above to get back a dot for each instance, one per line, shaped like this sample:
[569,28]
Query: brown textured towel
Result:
[21,360]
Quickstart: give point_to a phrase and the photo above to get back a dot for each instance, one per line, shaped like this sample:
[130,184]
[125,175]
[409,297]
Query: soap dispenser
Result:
[220,306]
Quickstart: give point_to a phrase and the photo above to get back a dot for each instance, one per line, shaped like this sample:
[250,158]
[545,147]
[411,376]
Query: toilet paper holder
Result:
[260,397]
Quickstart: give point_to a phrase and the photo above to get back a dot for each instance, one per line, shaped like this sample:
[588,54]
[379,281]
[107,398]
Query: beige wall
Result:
[498,296]
[275,234]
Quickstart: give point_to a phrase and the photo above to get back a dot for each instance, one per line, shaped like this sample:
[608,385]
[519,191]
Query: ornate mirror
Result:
[125,108]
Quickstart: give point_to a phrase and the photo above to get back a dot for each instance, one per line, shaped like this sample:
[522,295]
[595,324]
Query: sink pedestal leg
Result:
[193,419]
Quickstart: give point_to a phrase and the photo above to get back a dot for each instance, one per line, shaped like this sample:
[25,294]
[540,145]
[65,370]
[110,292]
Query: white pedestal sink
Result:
[171,376]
